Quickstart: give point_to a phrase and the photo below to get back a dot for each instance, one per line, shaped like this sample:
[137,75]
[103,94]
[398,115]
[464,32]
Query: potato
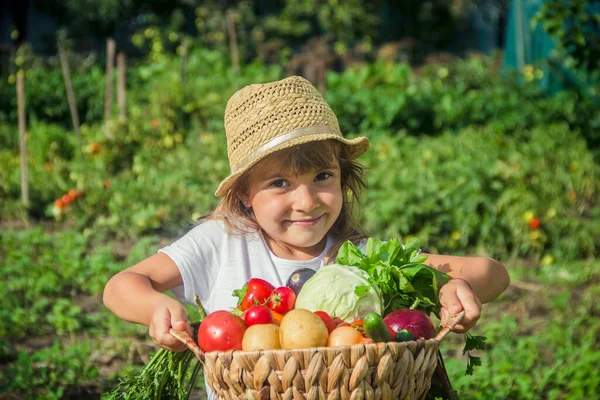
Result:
[261,337]
[301,328]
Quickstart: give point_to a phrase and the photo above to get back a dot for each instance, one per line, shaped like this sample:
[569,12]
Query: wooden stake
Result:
[184,57]
[64,63]
[22,131]
[122,85]
[110,62]
[235,56]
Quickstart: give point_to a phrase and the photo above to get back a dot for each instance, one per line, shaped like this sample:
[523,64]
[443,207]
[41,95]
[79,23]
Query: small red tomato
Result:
[66,199]
[258,315]
[534,223]
[58,203]
[221,331]
[72,193]
[327,320]
[282,300]
[255,292]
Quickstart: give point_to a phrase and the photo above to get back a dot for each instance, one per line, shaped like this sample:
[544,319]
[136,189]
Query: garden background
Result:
[485,127]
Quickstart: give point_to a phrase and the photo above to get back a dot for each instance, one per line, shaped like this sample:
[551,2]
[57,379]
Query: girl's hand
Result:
[455,296]
[164,317]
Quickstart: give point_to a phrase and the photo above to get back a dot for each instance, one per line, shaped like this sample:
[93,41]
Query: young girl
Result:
[287,204]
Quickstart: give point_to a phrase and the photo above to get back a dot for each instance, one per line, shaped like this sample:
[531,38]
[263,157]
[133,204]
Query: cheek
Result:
[268,208]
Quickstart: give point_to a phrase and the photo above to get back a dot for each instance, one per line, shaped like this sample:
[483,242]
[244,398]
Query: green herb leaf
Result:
[472,363]
[473,342]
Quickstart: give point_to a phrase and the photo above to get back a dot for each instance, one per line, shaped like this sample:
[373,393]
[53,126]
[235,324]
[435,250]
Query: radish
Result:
[414,321]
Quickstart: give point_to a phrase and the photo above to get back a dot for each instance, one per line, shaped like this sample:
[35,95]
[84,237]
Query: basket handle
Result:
[454,320]
[186,339]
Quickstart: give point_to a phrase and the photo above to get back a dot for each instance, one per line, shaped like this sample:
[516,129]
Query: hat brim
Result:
[356,147]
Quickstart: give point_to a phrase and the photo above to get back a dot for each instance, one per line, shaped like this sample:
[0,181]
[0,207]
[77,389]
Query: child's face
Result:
[295,211]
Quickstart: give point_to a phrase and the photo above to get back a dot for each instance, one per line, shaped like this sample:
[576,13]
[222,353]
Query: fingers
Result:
[163,320]
[455,298]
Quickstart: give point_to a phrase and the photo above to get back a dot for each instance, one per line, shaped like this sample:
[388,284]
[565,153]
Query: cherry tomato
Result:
[66,199]
[255,292]
[282,300]
[327,320]
[72,193]
[221,331]
[258,315]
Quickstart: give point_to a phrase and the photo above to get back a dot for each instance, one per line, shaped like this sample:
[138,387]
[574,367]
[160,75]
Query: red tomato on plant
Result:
[282,300]
[327,320]
[255,292]
[534,223]
[66,199]
[221,331]
[258,315]
[72,193]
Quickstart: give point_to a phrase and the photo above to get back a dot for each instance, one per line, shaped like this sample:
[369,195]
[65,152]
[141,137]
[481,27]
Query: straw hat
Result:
[261,119]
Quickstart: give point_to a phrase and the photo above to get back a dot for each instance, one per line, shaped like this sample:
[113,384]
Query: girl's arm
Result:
[488,278]
[481,280]
[136,295]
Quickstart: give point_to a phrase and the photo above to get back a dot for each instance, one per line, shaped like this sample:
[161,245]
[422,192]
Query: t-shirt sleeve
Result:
[195,254]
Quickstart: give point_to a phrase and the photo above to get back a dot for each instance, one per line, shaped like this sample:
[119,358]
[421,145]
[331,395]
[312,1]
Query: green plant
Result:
[51,373]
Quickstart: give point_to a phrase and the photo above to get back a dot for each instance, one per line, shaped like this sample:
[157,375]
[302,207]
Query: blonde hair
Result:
[298,160]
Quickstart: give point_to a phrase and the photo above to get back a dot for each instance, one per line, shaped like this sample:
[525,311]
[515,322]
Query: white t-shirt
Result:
[213,263]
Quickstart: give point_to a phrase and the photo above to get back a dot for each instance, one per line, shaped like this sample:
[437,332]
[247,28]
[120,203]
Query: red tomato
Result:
[66,199]
[327,320]
[58,203]
[255,292]
[72,193]
[282,300]
[340,322]
[221,331]
[534,223]
[258,315]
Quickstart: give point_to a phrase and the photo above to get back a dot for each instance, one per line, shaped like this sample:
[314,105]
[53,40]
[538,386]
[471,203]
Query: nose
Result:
[305,199]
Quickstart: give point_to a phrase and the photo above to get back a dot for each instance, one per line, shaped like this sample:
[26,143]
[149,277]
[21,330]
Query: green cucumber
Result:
[376,329]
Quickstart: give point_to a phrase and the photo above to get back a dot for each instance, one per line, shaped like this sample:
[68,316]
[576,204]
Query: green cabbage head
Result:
[341,291]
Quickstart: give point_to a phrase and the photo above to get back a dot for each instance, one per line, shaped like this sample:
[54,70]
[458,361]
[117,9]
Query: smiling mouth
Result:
[305,222]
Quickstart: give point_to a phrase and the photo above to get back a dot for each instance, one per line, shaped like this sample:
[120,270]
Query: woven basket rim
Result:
[321,349]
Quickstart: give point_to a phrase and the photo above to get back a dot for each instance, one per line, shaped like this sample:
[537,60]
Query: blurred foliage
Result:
[498,154]
[575,24]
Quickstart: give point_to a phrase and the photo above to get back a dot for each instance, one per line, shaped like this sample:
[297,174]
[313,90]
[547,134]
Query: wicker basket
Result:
[363,371]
